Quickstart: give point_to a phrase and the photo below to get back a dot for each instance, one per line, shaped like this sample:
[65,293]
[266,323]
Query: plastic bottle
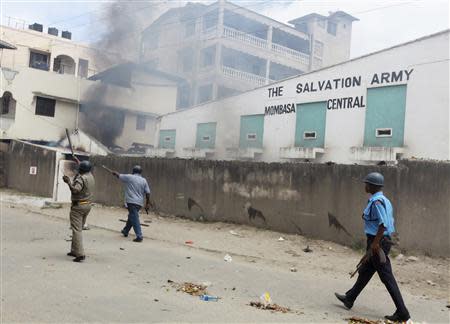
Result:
[209,298]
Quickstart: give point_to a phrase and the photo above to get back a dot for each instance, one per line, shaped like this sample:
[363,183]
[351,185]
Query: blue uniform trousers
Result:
[384,271]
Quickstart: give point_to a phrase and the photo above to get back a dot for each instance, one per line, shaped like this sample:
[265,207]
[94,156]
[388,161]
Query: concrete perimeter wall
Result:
[316,200]
[19,158]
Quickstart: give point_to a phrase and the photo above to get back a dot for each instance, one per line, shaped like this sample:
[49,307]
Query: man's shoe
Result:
[72,254]
[348,304]
[138,239]
[123,233]
[396,317]
[79,258]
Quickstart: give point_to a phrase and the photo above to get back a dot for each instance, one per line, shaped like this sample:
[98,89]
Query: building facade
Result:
[223,49]
[381,107]
[47,80]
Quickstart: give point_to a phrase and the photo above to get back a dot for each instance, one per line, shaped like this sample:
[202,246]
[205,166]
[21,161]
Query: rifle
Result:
[71,146]
[366,257]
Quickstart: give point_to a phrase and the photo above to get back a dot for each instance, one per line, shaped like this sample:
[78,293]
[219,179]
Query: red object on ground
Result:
[189,242]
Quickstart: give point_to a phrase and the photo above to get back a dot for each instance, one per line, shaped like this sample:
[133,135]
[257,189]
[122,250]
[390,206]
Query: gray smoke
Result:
[123,22]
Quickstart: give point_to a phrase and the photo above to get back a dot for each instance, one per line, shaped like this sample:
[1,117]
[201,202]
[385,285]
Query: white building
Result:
[44,81]
[387,105]
[224,49]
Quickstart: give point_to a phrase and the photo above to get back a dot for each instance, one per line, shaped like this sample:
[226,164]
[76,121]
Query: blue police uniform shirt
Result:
[135,188]
[378,212]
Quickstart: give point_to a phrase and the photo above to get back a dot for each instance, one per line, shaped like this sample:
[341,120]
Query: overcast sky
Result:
[383,23]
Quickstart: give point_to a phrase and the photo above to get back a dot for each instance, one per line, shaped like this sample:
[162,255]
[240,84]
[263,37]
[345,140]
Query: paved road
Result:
[120,281]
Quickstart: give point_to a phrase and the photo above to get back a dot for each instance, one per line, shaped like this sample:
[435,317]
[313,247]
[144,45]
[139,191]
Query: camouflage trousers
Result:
[78,215]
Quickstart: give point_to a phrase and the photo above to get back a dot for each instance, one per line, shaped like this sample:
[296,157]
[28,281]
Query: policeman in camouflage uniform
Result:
[82,188]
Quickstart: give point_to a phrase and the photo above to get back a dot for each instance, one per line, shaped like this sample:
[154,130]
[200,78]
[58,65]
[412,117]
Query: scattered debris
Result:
[209,298]
[431,283]
[412,259]
[399,257]
[307,249]
[265,298]
[188,257]
[147,221]
[228,258]
[234,288]
[189,288]
[330,248]
[122,248]
[235,233]
[361,320]
[156,300]
[281,239]
[293,269]
[189,242]
[448,306]
[271,307]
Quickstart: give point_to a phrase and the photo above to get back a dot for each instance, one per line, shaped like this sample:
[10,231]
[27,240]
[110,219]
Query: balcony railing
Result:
[245,76]
[304,58]
[244,37]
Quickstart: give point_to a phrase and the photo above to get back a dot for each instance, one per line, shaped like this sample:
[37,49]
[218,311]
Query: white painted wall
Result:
[131,135]
[25,39]
[427,132]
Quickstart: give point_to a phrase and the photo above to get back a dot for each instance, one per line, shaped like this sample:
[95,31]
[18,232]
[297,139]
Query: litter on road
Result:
[271,307]
[209,298]
[361,320]
[235,233]
[307,249]
[228,258]
[189,242]
[189,288]
[281,239]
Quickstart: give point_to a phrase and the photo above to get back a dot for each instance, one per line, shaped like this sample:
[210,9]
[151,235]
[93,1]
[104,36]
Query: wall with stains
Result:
[323,201]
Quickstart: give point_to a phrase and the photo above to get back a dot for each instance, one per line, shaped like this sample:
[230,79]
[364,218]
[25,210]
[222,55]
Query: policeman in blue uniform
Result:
[379,226]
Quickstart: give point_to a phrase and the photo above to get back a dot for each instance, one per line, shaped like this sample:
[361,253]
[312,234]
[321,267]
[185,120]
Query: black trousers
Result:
[384,271]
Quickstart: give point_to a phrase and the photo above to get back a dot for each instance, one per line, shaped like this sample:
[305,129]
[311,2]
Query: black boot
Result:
[396,317]
[72,254]
[79,258]
[343,298]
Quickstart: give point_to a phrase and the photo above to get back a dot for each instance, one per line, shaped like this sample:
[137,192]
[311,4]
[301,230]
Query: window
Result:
[309,135]
[167,139]
[208,56]
[45,107]
[251,137]
[210,20]
[83,67]
[186,59]
[332,28]
[205,93]
[5,102]
[318,48]
[189,29]
[383,132]
[39,60]
[206,138]
[140,122]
